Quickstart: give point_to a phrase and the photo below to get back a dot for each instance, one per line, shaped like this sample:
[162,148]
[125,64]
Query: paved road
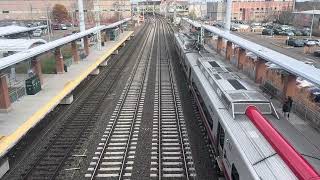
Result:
[276,44]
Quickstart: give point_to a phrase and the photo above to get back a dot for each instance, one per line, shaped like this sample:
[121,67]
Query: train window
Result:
[221,135]
[234,173]
[189,76]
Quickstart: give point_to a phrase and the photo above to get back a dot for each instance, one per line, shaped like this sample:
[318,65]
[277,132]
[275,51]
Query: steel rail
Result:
[171,76]
[97,84]
[137,108]
[118,112]
[159,107]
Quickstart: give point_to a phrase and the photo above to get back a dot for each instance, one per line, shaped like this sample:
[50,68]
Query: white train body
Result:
[242,152]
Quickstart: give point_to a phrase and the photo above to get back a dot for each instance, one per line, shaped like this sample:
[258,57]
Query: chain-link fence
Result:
[306,113]
[16,87]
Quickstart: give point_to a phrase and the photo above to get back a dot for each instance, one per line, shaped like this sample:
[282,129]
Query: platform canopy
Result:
[17,45]
[33,52]
[309,12]
[14,29]
[291,65]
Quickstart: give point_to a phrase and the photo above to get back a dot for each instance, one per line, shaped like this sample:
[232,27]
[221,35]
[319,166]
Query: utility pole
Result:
[228,15]
[138,12]
[97,14]
[165,9]
[81,16]
[312,23]
[48,25]
[81,19]
[293,5]
[31,9]
[153,9]
[118,9]
[175,11]
[143,7]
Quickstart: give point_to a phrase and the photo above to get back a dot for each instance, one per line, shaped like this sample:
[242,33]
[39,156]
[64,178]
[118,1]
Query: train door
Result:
[234,173]
[189,75]
[221,136]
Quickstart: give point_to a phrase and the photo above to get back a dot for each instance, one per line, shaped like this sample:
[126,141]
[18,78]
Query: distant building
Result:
[255,10]
[39,9]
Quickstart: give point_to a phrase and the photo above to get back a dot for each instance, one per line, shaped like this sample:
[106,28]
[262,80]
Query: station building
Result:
[248,10]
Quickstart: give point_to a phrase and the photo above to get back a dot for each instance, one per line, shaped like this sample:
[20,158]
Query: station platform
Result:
[299,132]
[30,109]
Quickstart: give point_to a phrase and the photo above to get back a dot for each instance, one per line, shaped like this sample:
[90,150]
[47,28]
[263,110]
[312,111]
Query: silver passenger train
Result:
[235,115]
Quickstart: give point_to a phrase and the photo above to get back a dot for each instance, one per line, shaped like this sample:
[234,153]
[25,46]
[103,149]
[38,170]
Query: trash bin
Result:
[33,85]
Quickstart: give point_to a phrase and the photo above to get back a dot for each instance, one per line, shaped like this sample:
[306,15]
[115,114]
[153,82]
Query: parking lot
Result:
[56,34]
[278,43]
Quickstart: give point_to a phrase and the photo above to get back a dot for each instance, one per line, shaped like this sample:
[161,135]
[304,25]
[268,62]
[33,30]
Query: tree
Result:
[60,13]
[192,15]
[285,17]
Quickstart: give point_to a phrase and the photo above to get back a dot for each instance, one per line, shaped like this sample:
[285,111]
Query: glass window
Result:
[234,173]
[221,135]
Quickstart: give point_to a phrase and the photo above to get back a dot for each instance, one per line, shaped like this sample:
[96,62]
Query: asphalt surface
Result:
[280,46]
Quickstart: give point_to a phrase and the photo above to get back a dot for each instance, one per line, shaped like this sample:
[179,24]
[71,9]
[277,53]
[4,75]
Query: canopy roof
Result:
[18,45]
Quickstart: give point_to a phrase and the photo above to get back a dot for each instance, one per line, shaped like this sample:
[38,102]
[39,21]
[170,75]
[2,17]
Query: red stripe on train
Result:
[299,166]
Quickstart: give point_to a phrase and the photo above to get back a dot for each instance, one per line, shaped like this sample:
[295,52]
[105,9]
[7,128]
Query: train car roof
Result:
[255,149]
[259,153]
[236,94]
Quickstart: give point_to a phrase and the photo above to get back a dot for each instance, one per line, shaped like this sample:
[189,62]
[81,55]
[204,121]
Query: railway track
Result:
[80,120]
[171,153]
[115,154]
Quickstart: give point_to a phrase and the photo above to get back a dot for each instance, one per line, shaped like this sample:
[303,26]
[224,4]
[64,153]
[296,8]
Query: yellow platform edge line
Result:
[7,142]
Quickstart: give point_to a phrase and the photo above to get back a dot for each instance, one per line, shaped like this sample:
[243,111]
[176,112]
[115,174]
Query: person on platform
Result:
[286,107]
[290,101]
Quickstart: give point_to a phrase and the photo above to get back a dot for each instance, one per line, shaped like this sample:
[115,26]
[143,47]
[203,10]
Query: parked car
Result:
[295,42]
[305,33]
[63,27]
[267,32]
[286,33]
[277,31]
[289,33]
[68,24]
[317,53]
[37,33]
[55,27]
[297,33]
[311,42]
[285,27]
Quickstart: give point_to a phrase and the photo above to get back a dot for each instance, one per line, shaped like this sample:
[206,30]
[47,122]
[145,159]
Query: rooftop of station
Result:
[18,45]
[14,29]
[24,55]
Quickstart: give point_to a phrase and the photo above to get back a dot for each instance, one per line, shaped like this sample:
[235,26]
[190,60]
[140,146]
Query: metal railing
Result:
[301,109]
[16,92]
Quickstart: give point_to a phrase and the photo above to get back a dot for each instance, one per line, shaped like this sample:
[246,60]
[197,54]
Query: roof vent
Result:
[236,84]
[214,64]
